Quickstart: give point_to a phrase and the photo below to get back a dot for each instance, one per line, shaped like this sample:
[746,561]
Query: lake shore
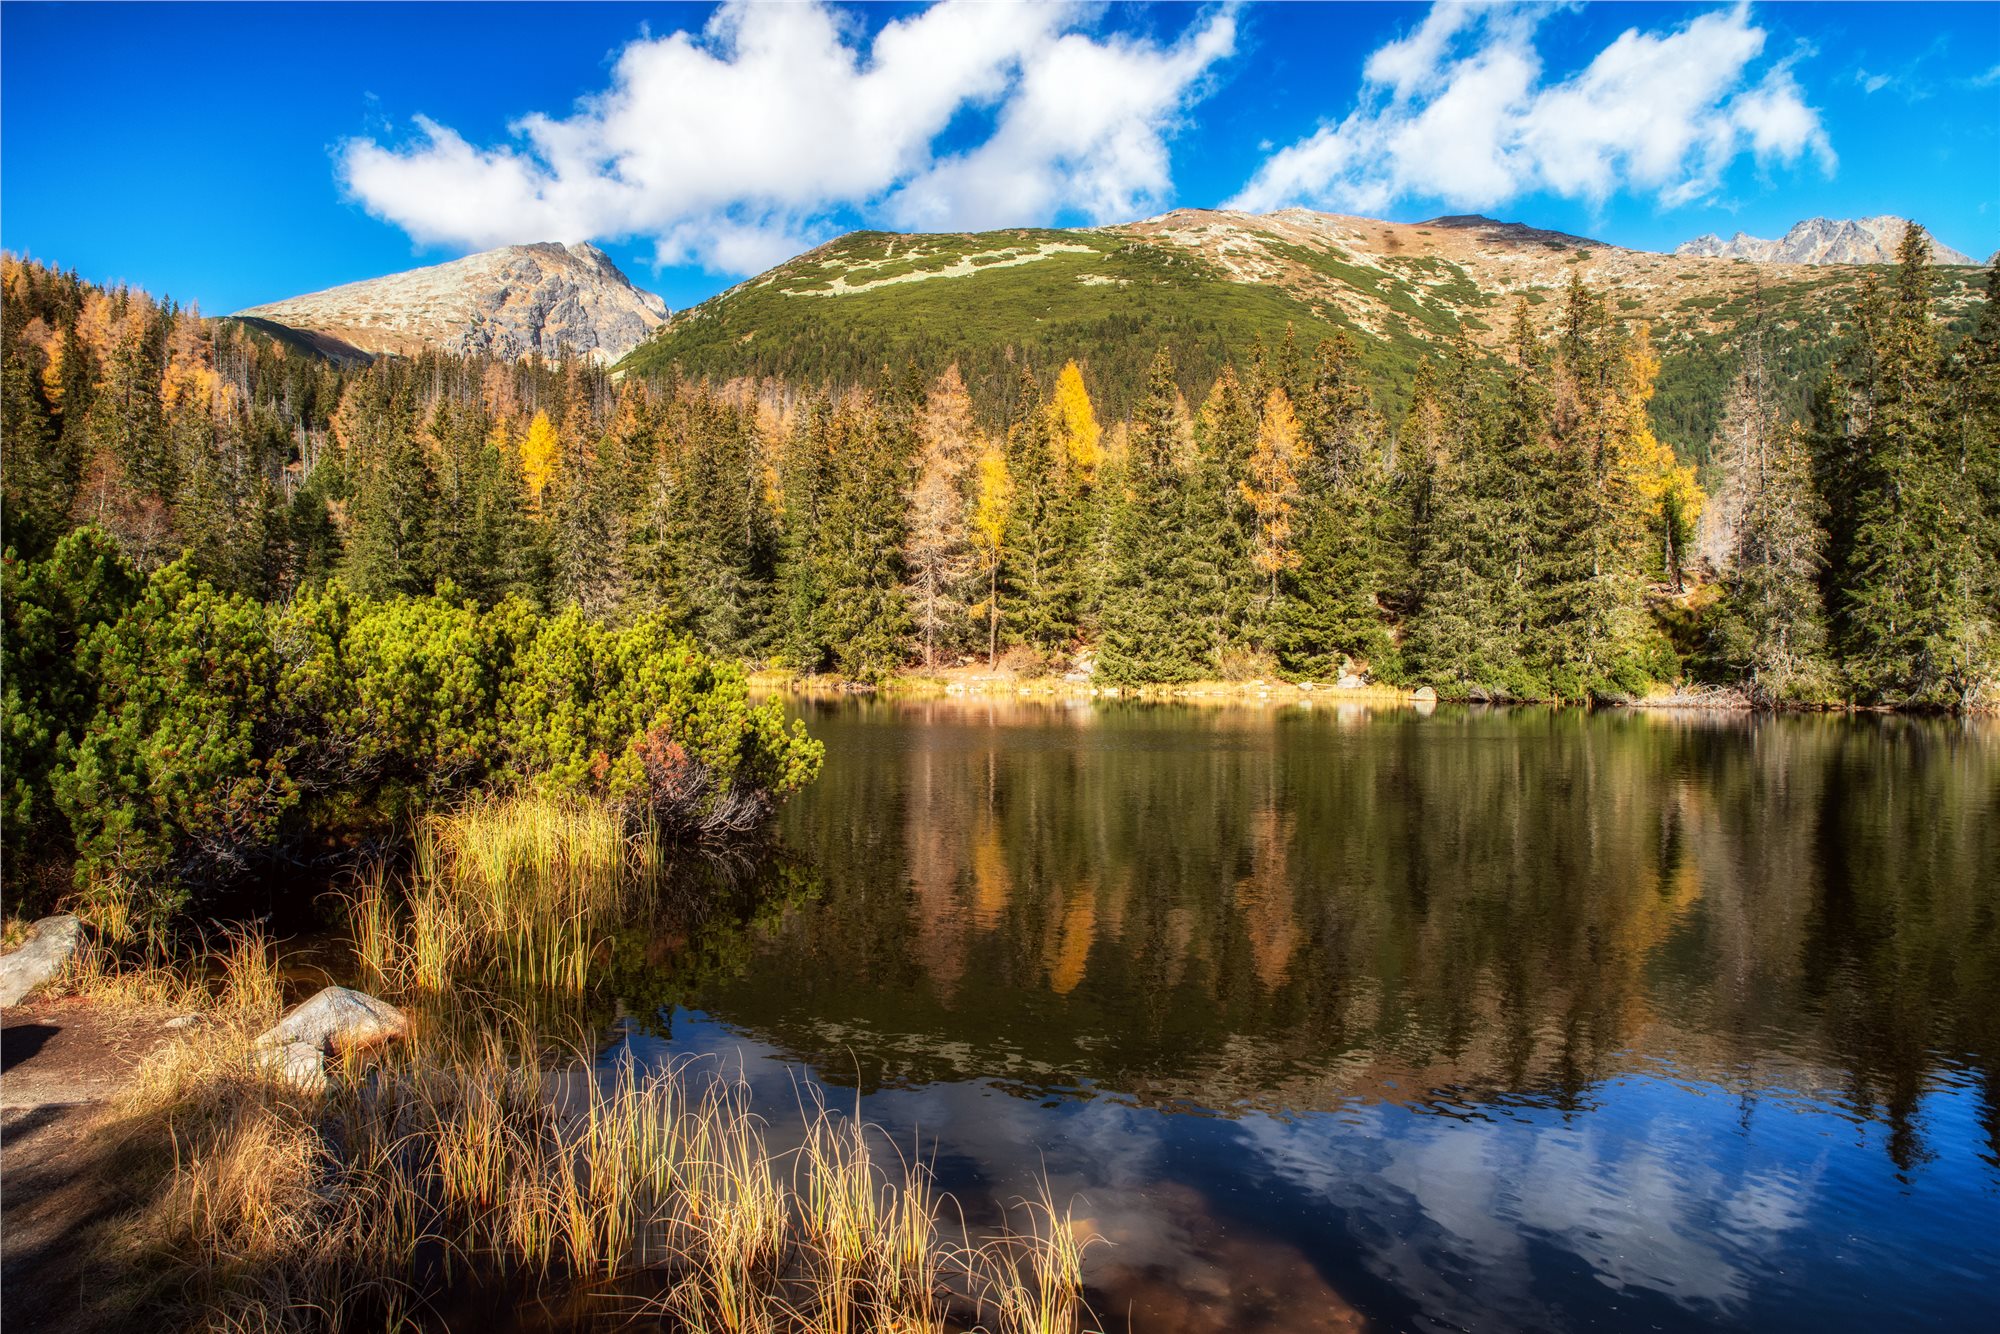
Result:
[1003,683]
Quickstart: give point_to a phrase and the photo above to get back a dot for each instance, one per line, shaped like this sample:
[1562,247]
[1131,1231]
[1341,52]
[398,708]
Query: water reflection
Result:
[1490,1019]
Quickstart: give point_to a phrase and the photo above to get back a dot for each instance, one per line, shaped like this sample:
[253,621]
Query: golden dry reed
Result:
[472,1156]
[518,890]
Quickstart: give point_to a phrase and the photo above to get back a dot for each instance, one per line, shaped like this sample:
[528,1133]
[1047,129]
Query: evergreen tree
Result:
[1913,626]
[1332,608]
[395,494]
[1037,582]
[865,618]
[1452,629]
[1148,635]
[1225,439]
[808,478]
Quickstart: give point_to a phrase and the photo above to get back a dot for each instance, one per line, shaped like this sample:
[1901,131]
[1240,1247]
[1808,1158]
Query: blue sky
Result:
[233,154]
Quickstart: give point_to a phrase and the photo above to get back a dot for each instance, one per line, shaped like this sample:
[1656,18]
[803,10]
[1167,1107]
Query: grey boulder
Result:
[51,943]
[334,1021]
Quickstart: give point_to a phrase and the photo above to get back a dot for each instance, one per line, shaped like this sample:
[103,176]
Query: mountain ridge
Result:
[1210,284]
[1822,241]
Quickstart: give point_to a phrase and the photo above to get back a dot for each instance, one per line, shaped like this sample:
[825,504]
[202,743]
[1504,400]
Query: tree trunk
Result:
[992,614]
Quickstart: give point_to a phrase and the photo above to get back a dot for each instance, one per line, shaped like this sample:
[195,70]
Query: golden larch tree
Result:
[1272,489]
[995,497]
[1658,493]
[541,454]
[1076,430]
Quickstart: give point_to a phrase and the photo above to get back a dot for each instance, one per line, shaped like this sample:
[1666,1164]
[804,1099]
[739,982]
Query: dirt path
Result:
[61,1063]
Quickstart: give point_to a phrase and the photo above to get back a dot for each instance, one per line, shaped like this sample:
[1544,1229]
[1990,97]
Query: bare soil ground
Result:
[62,1062]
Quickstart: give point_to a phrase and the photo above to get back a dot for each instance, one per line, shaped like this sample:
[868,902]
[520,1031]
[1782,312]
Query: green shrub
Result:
[183,732]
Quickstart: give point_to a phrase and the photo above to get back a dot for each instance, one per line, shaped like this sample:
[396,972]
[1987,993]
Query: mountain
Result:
[509,302]
[1822,241]
[1207,284]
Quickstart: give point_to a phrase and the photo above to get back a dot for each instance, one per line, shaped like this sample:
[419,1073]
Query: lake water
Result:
[1338,1018]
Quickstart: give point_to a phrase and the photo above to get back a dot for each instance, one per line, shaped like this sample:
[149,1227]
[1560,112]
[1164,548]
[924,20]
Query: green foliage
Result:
[180,772]
[51,608]
[185,732]
[1907,469]
[1149,634]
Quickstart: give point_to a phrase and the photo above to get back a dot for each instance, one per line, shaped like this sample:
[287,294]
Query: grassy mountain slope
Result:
[1208,283]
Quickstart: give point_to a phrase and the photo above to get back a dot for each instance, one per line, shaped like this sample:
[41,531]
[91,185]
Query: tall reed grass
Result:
[485,1153]
[653,1195]
[518,890]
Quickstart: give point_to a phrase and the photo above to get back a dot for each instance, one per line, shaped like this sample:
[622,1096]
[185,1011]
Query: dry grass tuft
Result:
[482,1151]
[516,890]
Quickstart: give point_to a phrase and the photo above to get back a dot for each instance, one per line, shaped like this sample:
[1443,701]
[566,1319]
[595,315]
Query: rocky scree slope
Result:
[544,298]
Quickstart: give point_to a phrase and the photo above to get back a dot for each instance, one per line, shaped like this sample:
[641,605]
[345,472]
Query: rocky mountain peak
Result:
[546,297]
[1822,241]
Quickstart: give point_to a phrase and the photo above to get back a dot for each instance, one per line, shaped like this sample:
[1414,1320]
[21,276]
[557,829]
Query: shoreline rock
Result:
[51,943]
[334,1021]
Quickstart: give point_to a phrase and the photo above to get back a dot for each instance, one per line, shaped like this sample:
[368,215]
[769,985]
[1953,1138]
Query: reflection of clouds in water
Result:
[1645,1209]
[1657,1208]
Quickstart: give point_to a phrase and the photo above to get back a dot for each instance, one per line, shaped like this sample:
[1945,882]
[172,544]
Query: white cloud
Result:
[734,147]
[1459,111]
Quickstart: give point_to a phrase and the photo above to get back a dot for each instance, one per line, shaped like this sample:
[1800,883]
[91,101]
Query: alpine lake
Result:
[1346,1017]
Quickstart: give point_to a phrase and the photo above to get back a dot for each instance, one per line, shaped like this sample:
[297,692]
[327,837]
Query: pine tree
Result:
[1148,636]
[1913,626]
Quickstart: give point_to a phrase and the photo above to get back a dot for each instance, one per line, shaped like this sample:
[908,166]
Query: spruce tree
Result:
[1225,437]
[865,618]
[1332,607]
[1148,636]
[1451,631]
[1913,626]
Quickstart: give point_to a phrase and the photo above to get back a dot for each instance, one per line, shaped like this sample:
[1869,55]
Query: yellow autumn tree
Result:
[1272,489]
[995,497]
[1659,492]
[1075,421]
[540,455]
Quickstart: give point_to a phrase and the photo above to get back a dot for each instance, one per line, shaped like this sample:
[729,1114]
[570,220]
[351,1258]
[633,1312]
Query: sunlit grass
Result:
[487,1149]
[284,1211]
[515,890]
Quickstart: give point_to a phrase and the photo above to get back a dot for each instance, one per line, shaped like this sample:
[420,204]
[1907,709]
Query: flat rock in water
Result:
[1350,682]
[52,942]
[338,1020]
[1425,695]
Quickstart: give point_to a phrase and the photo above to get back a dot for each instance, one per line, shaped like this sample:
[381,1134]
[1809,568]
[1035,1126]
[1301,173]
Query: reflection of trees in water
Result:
[1281,910]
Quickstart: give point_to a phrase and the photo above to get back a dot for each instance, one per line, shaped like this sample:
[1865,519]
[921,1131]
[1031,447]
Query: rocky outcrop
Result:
[51,943]
[1822,241]
[544,298]
[333,1022]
